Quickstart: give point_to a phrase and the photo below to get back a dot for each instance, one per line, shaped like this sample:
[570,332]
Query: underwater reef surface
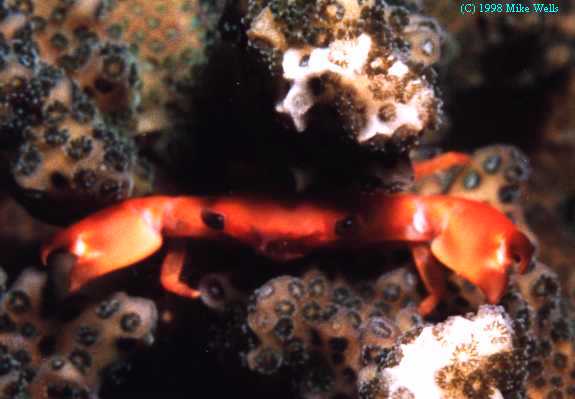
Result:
[296,101]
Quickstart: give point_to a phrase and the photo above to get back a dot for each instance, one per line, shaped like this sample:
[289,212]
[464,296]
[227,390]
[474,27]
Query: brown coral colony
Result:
[339,251]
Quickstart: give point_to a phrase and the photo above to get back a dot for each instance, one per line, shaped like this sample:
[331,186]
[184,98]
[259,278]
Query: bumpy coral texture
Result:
[46,358]
[170,38]
[367,60]
[545,336]
[543,343]
[67,146]
[540,312]
[363,339]
[78,78]
[463,356]
[324,329]
[338,338]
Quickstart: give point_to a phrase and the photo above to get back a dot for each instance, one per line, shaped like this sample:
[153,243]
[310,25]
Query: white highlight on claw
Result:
[80,247]
[420,221]
[502,256]
[461,342]
[82,250]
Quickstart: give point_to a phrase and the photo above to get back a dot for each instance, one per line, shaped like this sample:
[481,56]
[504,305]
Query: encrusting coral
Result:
[78,80]
[48,358]
[66,146]
[541,316]
[170,38]
[320,328]
[338,338]
[368,61]
[536,362]
[317,323]
[465,357]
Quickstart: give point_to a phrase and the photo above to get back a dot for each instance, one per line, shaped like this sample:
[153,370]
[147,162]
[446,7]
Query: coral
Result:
[367,60]
[218,292]
[322,328]
[62,35]
[301,324]
[547,316]
[52,106]
[119,59]
[80,77]
[365,339]
[48,358]
[464,357]
[170,37]
[541,317]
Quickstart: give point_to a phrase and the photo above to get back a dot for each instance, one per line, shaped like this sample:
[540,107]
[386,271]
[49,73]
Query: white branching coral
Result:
[365,59]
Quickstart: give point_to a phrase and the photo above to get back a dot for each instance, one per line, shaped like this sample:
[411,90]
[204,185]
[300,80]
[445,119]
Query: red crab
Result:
[471,238]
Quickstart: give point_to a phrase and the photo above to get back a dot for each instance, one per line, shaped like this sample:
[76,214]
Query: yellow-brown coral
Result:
[83,351]
[325,329]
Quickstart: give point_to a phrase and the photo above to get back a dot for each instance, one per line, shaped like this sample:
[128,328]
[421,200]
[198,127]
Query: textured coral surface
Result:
[102,100]
[363,59]
[47,358]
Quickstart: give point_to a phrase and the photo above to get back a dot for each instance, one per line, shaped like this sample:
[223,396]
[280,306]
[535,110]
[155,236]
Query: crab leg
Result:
[444,161]
[432,274]
[471,238]
[172,270]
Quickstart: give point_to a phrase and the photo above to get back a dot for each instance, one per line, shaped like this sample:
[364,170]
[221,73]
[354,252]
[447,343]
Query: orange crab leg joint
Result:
[470,238]
[444,161]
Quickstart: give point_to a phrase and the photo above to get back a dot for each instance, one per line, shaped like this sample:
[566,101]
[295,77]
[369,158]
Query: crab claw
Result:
[482,245]
[493,284]
[108,240]
[517,251]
